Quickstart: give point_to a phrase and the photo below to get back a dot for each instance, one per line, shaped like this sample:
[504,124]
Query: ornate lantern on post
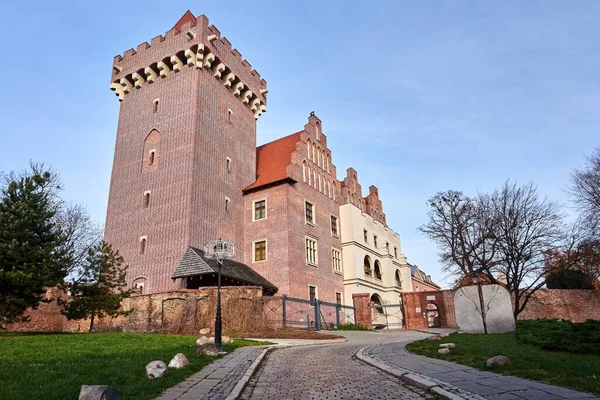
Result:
[219,250]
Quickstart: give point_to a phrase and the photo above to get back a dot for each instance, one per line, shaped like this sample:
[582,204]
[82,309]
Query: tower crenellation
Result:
[191,43]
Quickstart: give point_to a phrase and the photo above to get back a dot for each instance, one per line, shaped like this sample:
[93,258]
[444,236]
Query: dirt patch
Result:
[285,334]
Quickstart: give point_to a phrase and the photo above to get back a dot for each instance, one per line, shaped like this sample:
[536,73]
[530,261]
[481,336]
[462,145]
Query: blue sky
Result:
[419,97]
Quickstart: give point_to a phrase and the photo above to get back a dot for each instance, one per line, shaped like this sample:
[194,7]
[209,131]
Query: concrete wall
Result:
[497,306]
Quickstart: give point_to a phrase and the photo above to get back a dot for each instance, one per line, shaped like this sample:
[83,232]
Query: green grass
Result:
[54,366]
[576,371]
[351,327]
[552,334]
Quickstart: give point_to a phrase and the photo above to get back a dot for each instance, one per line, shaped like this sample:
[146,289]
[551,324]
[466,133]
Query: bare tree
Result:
[463,229]
[585,189]
[527,226]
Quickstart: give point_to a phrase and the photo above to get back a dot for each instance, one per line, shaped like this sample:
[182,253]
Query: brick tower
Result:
[185,148]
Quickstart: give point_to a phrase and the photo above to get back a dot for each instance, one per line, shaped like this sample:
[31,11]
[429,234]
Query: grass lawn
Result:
[576,371]
[54,366]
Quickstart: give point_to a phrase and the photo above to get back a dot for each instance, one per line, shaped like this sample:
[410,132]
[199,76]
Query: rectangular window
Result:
[336,260]
[260,209]
[375,241]
[395,252]
[365,236]
[387,247]
[311,251]
[260,250]
[334,226]
[309,212]
[312,293]
[338,297]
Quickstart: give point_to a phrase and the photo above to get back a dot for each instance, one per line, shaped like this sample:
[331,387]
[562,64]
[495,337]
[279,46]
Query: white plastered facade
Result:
[353,223]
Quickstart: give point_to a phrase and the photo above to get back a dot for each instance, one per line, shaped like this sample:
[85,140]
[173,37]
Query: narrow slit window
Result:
[151,157]
[227,204]
[147,199]
[229,113]
[143,241]
[228,165]
[155,102]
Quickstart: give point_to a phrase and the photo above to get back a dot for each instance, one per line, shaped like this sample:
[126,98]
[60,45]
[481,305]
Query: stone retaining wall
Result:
[574,305]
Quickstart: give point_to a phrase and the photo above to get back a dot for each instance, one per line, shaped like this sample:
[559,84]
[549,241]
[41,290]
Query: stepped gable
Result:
[272,160]
[374,205]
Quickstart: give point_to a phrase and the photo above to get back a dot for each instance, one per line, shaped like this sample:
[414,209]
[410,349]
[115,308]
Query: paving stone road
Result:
[329,372]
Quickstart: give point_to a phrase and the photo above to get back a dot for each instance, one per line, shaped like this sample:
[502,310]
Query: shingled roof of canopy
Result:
[194,263]
[272,160]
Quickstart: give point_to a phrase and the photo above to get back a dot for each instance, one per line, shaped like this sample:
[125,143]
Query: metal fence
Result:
[387,316]
[290,312]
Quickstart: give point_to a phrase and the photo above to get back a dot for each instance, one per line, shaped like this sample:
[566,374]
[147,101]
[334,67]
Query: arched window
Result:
[328,162]
[308,174]
[323,160]
[329,189]
[304,171]
[376,303]
[320,189]
[397,278]
[319,156]
[315,178]
[314,153]
[151,154]
[377,270]
[308,148]
[367,266]
[318,130]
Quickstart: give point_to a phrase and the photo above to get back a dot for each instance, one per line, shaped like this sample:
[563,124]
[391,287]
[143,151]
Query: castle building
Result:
[187,170]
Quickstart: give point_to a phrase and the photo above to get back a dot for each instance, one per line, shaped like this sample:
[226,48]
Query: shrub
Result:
[552,334]
[351,327]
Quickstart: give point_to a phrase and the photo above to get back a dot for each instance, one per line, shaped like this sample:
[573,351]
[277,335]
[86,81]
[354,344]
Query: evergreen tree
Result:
[569,279]
[99,287]
[32,252]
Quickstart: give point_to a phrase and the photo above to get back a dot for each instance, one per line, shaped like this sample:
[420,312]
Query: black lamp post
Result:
[219,250]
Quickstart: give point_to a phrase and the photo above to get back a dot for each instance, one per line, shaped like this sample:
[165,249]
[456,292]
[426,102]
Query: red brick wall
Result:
[182,311]
[285,227]
[415,307]
[574,305]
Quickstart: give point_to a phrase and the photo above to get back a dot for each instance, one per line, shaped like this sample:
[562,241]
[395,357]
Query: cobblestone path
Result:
[326,372]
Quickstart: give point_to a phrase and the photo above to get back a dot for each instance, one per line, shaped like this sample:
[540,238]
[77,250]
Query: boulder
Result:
[179,361]
[226,339]
[205,331]
[447,345]
[98,392]
[436,337]
[498,360]
[444,335]
[156,369]
[207,349]
[204,340]
[444,351]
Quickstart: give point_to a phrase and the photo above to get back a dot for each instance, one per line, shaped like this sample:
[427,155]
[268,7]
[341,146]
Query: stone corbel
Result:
[126,84]
[150,74]
[238,88]
[259,110]
[218,69]
[118,89]
[264,91]
[228,79]
[190,33]
[138,80]
[254,104]
[177,63]
[117,68]
[163,68]
[209,58]
[211,38]
[246,94]
[195,57]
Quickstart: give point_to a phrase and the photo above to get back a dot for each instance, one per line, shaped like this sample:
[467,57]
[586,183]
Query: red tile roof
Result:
[272,159]
[187,17]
